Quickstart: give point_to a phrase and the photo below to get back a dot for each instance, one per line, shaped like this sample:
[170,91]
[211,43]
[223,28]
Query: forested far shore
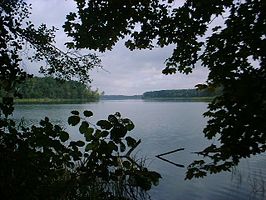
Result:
[178,94]
[48,89]
[182,93]
[120,97]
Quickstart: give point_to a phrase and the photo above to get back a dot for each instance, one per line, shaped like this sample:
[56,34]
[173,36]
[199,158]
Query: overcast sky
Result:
[126,72]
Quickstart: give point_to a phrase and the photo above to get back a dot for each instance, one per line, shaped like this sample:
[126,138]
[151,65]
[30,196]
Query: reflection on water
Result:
[254,178]
[162,127]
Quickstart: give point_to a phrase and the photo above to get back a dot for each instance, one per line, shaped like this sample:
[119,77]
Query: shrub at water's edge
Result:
[41,162]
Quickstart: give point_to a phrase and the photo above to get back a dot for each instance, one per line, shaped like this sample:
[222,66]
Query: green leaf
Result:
[71,16]
[129,124]
[80,143]
[113,119]
[91,146]
[103,146]
[130,127]
[154,177]
[64,136]
[126,164]
[118,114]
[75,112]
[84,127]
[88,134]
[73,120]
[122,147]
[57,128]
[112,146]
[142,181]
[118,132]
[87,113]
[130,141]
[42,123]
[105,133]
[104,124]
[98,134]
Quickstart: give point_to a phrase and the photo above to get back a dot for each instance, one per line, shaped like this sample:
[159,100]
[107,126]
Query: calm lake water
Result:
[162,127]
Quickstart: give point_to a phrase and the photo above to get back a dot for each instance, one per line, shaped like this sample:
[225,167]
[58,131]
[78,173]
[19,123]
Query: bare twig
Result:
[169,152]
[178,165]
[159,156]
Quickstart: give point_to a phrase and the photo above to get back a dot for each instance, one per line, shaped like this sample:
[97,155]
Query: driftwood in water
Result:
[169,152]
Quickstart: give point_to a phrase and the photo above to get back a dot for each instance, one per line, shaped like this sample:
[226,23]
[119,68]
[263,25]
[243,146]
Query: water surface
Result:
[162,127]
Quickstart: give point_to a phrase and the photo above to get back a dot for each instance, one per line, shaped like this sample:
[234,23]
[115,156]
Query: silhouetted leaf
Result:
[84,127]
[104,124]
[64,136]
[75,112]
[73,120]
[80,143]
[122,147]
[126,164]
[104,133]
[88,134]
[98,134]
[117,114]
[129,124]
[113,119]
[89,147]
[112,146]
[130,141]
[87,113]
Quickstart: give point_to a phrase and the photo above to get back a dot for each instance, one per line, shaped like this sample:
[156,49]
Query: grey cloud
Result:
[125,72]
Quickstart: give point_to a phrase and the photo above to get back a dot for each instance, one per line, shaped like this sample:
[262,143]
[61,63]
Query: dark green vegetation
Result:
[233,52]
[41,162]
[182,93]
[120,97]
[205,94]
[50,88]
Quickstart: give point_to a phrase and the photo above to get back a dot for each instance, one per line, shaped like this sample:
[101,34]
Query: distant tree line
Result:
[48,87]
[182,93]
[120,97]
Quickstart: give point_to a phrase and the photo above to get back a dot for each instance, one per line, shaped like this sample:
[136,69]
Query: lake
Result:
[162,127]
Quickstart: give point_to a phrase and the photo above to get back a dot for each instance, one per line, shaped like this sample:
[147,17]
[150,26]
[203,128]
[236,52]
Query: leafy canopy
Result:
[234,53]
[18,35]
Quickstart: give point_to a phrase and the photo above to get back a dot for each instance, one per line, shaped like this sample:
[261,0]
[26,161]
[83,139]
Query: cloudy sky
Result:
[125,72]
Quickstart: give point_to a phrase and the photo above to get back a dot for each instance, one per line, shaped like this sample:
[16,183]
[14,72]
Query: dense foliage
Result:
[182,93]
[233,51]
[40,162]
[48,87]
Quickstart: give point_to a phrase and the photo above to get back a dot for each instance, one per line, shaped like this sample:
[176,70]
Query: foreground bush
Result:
[41,162]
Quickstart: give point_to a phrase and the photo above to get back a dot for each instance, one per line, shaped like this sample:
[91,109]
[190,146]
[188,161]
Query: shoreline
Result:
[62,101]
[200,99]
[52,101]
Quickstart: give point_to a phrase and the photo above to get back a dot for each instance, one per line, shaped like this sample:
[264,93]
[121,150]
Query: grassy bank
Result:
[51,101]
